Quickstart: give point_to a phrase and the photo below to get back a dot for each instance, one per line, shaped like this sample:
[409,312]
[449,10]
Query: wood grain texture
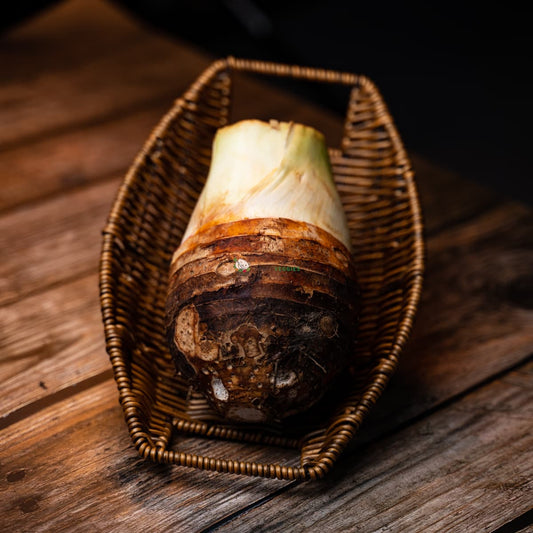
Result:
[49,342]
[58,163]
[476,314]
[448,199]
[455,471]
[95,89]
[70,467]
[99,65]
[81,89]
[54,241]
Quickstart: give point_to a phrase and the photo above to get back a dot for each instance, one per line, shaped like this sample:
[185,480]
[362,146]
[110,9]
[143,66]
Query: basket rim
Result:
[349,423]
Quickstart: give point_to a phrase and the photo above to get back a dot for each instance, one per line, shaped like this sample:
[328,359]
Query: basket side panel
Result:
[147,223]
[375,183]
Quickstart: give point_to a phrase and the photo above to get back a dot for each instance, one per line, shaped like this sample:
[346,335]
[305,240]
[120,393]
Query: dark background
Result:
[455,76]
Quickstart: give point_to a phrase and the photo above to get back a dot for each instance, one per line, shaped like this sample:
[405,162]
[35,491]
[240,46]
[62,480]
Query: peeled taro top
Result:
[274,170]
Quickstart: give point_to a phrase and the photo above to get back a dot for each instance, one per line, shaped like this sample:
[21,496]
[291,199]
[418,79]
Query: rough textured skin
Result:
[261,315]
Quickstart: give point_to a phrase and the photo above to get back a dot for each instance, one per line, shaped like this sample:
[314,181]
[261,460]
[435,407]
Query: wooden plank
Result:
[92,152]
[99,64]
[55,241]
[50,342]
[468,467]
[476,313]
[71,467]
[447,198]
[75,158]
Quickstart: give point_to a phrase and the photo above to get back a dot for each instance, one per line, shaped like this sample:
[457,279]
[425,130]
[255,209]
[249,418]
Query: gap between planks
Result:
[56,166]
[521,524]
[53,398]
[55,241]
[160,102]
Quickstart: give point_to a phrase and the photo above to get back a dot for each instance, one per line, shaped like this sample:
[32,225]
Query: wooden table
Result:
[449,447]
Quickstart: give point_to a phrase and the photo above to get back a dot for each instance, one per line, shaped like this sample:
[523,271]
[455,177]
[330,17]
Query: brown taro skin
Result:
[263,339]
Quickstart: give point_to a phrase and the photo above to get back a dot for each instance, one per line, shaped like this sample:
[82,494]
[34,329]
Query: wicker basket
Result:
[376,185]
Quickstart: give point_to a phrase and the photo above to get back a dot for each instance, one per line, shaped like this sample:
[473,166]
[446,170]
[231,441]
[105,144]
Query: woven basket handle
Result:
[293,71]
[360,84]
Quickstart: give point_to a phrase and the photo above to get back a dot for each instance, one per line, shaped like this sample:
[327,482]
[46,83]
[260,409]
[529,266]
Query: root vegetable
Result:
[263,300]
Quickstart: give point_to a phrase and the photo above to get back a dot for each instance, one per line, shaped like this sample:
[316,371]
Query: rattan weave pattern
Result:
[148,218]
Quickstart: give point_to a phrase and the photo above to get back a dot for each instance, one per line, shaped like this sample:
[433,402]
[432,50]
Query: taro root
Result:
[263,300]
